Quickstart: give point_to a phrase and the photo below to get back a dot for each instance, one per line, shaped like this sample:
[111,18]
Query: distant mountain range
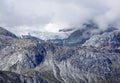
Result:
[79,36]
[88,55]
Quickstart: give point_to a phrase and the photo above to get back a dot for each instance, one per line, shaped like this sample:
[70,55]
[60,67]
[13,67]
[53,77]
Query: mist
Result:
[20,16]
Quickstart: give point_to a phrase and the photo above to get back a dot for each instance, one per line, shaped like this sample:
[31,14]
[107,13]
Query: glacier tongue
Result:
[48,35]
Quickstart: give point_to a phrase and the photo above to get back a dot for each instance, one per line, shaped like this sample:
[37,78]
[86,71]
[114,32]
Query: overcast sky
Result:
[51,15]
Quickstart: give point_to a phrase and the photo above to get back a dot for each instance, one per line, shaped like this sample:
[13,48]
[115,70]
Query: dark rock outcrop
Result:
[6,33]
[11,77]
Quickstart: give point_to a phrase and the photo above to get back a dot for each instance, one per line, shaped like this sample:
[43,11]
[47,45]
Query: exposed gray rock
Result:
[6,33]
[21,54]
[10,77]
[88,65]
[111,40]
[59,64]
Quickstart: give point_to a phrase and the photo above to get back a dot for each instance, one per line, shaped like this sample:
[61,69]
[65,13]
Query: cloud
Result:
[51,15]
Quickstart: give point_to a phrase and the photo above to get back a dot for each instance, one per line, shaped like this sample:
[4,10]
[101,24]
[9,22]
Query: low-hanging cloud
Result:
[52,15]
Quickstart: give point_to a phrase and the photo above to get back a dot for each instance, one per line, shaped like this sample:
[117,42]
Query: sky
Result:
[51,15]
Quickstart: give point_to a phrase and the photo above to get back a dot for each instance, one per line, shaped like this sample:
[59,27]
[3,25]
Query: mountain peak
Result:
[6,33]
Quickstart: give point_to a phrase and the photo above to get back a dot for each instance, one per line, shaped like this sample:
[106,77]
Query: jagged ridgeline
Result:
[32,60]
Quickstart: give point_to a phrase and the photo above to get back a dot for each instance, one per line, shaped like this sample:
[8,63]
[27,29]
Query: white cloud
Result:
[49,14]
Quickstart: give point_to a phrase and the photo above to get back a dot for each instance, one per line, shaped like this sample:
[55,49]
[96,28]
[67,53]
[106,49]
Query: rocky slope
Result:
[43,62]
[11,77]
[6,33]
[111,40]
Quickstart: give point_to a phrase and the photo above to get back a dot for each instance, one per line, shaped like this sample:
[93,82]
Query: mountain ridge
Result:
[59,64]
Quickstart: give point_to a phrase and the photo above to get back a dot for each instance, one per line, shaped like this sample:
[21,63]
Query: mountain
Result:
[108,39]
[79,36]
[6,33]
[34,61]
[87,65]
[6,37]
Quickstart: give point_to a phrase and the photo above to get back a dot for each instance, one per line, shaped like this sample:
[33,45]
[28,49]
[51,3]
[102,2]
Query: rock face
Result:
[111,40]
[21,53]
[10,77]
[43,62]
[88,65]
[6,33]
